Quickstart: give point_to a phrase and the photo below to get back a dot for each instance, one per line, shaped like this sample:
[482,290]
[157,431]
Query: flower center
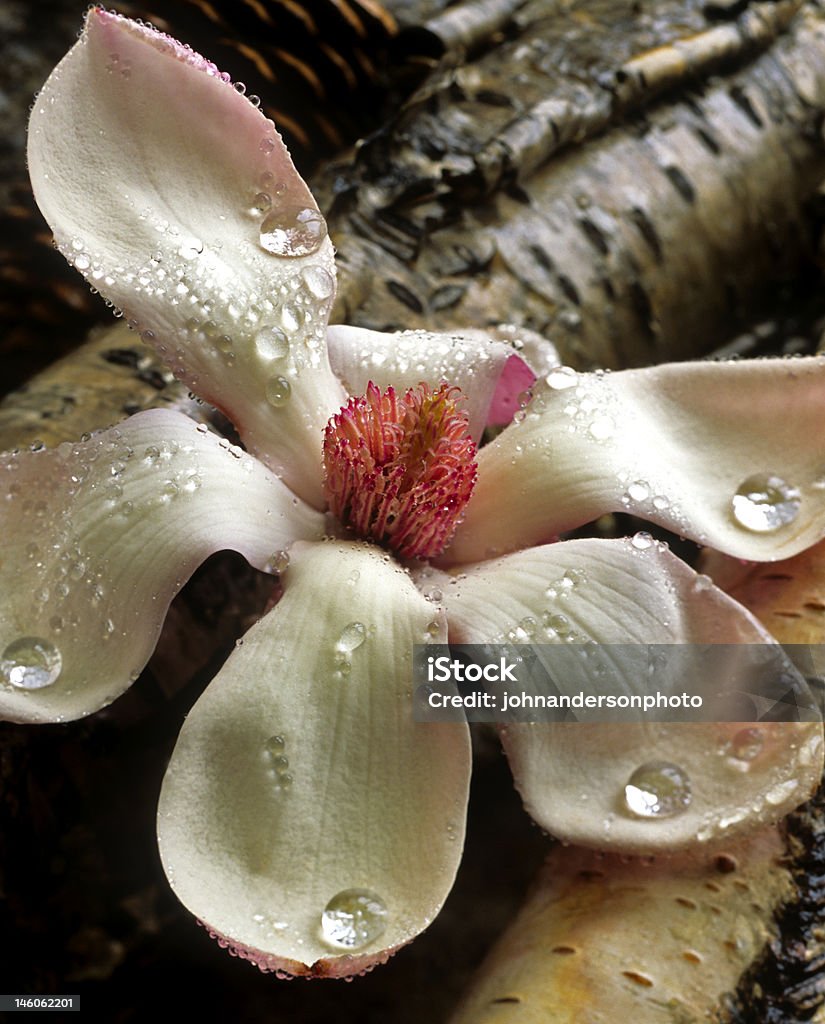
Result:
[400,470]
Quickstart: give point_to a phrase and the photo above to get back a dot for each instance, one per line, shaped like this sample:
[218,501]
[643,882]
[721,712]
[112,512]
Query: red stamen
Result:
[400,470]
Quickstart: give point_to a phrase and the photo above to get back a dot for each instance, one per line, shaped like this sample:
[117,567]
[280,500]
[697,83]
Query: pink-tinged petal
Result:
[729,454]
[485,368]
[300,779]
[516,378]
[572,776]
[97,539]
[177,200]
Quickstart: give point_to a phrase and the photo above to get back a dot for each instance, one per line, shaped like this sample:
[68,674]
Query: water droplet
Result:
[745,745]
[601,428]
[561,378]
[351,638]
[559,624]
[191,250]
[641,541]
[319,282]
[30,663]
[658,790]
[764,503]
[638,490]
[260,204]
[278,391]
[278,562]
[353,918]
[271,343]
[275,745]
[82,261]
[293,232]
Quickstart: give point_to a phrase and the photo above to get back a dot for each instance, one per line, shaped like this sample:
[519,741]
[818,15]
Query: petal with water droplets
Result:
[701,782]
[305,817]
[99,536]
[729,454]
[157,178]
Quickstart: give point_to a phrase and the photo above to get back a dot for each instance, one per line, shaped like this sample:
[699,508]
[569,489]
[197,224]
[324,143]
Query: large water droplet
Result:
[271,343]
[658,790]
[30,663]
[353,918]
[764,503]
[293,232]
[351,638]
[278,391]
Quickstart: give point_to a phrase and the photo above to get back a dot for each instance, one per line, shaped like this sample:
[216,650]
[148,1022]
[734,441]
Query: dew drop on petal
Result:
[641,541]
[353,918]
[638,491]
[351,637]
[764,503]
[277,562]
[561,378]
[260,204]
[745,746]
[319,282]
[30,663]
[657,790]
[601,428]
[271,343]
[278,391]
[275,745]
[293,232]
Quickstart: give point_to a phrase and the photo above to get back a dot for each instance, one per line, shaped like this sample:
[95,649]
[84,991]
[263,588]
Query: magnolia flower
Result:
[305,817]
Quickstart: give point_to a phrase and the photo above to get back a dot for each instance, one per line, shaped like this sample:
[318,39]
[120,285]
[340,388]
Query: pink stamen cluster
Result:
[400,470]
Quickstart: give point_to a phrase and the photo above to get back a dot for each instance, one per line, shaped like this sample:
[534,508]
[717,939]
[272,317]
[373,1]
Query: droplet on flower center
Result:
[353,918]
[658,790]
[293,232]
[30,663]
[764,503]
[400,470]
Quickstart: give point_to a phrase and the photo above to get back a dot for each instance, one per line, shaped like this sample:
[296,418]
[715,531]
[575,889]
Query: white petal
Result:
[375,801]
[573,776]
[99,536]
[471,360]
[672,444]
[146,163]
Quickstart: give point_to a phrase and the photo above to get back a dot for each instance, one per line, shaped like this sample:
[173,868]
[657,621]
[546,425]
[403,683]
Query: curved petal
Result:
[573,776]
[97,539]
[487,371]
[729,454]
[300,776]
[177,200]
